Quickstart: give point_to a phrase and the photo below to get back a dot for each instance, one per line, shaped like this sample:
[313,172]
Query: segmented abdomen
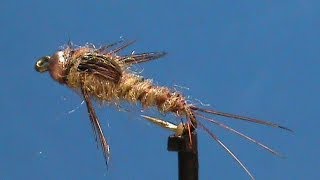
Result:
[131,88]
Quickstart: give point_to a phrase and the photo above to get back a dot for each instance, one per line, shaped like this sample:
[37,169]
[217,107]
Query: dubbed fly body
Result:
[104,75]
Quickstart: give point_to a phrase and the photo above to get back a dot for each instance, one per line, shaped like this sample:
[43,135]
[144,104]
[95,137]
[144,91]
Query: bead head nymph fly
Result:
[102,74]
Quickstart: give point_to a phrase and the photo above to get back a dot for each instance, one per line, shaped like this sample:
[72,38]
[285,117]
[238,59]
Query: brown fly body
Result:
[105,76]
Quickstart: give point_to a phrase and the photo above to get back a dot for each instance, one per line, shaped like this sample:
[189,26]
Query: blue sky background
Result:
[259,59]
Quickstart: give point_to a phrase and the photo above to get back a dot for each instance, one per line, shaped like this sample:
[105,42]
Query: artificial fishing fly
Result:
[105,76]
